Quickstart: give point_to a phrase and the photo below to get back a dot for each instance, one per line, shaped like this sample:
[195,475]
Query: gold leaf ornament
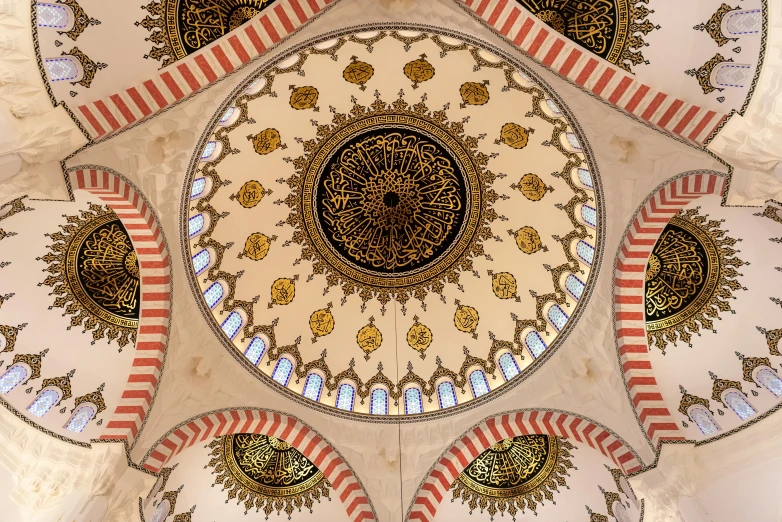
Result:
[266,141]
[303,97]
[532,187]
[528,240]
[503,284]
[474,93]
[321,322]
[466,319]
[358,72]
[514,135]
[283,291]
[250,194]
[369,338]
[257,246]
[419,71]
[419,337]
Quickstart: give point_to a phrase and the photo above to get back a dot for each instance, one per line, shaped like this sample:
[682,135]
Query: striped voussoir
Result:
[573,427]
[154,270]
[198,70]
[613,84]
[629,276]
[284,427]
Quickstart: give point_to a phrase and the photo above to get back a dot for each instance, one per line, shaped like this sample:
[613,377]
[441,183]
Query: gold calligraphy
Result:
[419,337]
[321,322]
[474,93]
[532,187]
[303,97]
[250,194]
[358,72]
[466,319]
[283,291]
[503,284]
[266,141]
[514,135]
[675,274]
[257,246]
[369,338]
[527,239]
[419,71]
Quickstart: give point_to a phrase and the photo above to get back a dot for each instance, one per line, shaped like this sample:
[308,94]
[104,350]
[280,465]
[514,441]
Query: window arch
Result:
[232,324]
[229,117]
[201,261]
[574,286]
[737,402]
[585,251]
[553,107]
[703,419]
[211,150]
[413,401]
[56,16]
[558,317]
[572,141]
[769,379]
[620,513]
[83,414]
[737,23]
[585,177]
[256,86]
[478,383]
[195,224]
[446,394]
[346,396]
[313,386]
[199,185]
[508,366]
[214,294]
[162,511]
[63,68]
[282,372]
[535,344]
[44,402]
[589,215]
[255,350]
[379,402]
[729,74]
[628,490]
[14,376]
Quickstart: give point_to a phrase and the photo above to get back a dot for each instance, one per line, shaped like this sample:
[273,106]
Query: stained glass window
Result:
[213,294]
[770,380]
[478,383]
[413,402]
[62,69]
[508,366]
[738,403]
[585,251]
[446,394]
[731,74]
[255,86]
[585,177]
[50,15]
[535,343]
[313,386]
[743,22]
[574,286]
[572,139]
[44,402]
[558,317]
[227,115]
[589,215]
[195,224]
[199,184]
[282,372]
[232,324]
[208,150]
[345,397]
[701,416]
[162,511]
[255,350]
[201,261]
[80,418]
[553,106]
[379,404]
[12,377]
[620,513]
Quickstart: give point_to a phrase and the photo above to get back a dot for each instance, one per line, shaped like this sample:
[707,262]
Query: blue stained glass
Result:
[739,404]
[558,317]
[162,511]
[232,324]
[79,420]
[535,343]
[553,106]
[703,419]
[61,69]
[446,394]
[345,397]
[478,383]
[195,224]
[379,404]
[199,184]
[44,402]
[50,15]
[313,386]
[573,140]
[227,115]
[208,150]
[413,402]
[508,366]
[770,380]
[282,372]
[585,251]
[585,177]
[574,286]
[213,294]
[12,377]
[255,350]
[201,261]
[589,215]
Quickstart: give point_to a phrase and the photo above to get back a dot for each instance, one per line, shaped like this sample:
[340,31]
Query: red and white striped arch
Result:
[629,275]
[291,430]
[154,268]
[198,70]
[613,84]
[494,429]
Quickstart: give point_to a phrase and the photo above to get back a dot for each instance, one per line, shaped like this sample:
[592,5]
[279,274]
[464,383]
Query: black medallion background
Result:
[271,463]
[491,470]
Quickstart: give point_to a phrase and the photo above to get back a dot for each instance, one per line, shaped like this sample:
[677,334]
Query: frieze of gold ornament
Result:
[95,398]
[88,67]
[408,40]
[419,337]
[610,498]
[358,72]
[171,496]
[80,20]
[266,141]
[714,26]
[748,365]
[690,400]
[13,207]
[33,360]
[772,339]
[703,73]
[63,383]
[596,517]
[770,212]
[720,385]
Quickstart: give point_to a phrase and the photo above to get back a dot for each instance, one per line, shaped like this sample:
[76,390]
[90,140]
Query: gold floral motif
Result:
[33,360]
[527,239]
[532,187]
[80,20]
[514,135]
[95,398]
[304,97]
[321,322]
[466,319]
[689,400]
[9,335]
[266,141]
[703,73]
[419,337]
[283,291]
[473,93]
[358,72]
[63,383]
[89,68]
[419,71]
[257,246]
[503,284]
[14,207]
[714,25]
[369,338]
[250,194]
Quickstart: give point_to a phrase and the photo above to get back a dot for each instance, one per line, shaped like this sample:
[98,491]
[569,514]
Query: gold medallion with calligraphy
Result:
[474,93]
[466,318]
[283,291]
[358,72]
[514,135]
[257,246]
[321,322]
[532,187]
[419,70]
[266,141]
[528,240]
[419,337]
[503,284]
[250,194]
[304,97]
[369,338]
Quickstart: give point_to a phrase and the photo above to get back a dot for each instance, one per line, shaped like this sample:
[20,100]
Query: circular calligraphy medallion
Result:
[304,97]
[283,291]
[514,135]
[321,322]
[257,246]
[358,72]
[528,240]
[266,141]
[419,70]
[474,93]
[419,337]
[503,284]
[532,187]
[466,319]
[250,194]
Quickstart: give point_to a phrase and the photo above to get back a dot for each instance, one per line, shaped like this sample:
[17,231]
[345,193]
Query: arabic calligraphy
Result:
[514,135]
[419,71]
[527,239]
[466,318]
[283,291]
[266,141]
[321,322]
[474,93]
[532,187]
[250,194]
[304,97]
[270,461]
[419,336]
[358,72]
[503,284]
[369,338]
[257,246]
[510,462]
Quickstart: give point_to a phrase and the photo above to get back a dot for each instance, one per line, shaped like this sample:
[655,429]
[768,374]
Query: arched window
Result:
[45,400]
[195,224]
[769,379]
[737,23]
[229,116]
[255,350]
[535,344]
[729,74]
[199,184]
[83,414]
[379,403]
[62,69]
[256,86]
[585,178]
[232,324]
[201,261]
[345,397]
[210,148]
[572,140]
[628,490]
[12,377]
[558,317]
[478,383]
[589,215]
[213,294]
[53,15]
[313,386]
[508,366]
[574,286]
[553,107]
[620,513]
[446,394]
[162,511]
[413,401]
[585,251]
[282,372]
[738,403]
[702,417]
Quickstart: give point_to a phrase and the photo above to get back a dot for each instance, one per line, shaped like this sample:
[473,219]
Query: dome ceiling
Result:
[392,210]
